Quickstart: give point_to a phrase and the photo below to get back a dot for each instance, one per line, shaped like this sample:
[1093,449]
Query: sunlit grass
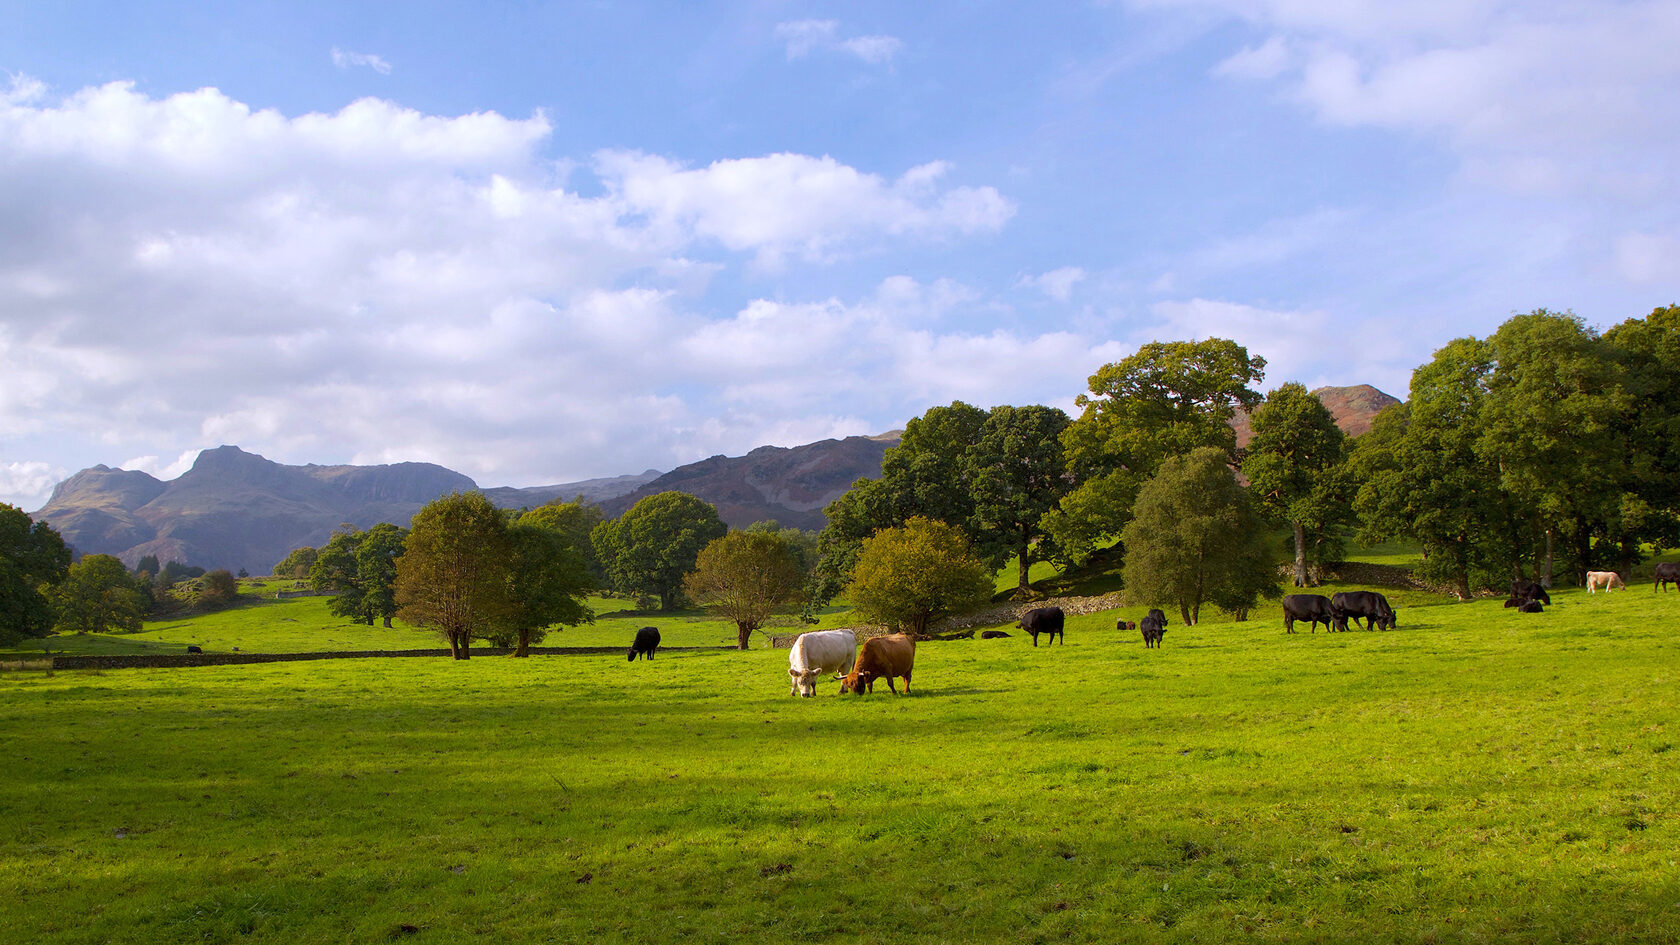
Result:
[1476,775]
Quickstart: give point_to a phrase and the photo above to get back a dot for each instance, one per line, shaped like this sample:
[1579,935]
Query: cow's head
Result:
[856,682]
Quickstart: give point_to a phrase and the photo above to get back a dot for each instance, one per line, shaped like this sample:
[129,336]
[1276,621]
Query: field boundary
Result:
[167,660]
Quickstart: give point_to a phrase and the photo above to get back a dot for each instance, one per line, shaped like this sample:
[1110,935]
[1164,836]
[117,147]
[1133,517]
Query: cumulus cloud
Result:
[26,485]
[802,37]
[344,59]
[1057,283]
[1558,96]
[377,284]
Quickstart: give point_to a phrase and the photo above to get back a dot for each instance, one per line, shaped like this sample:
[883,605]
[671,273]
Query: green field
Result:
[1476,775]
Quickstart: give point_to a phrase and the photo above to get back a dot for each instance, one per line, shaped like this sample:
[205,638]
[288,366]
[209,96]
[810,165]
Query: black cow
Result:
[647,640]
[1667,572]
[1044,620]
[1530,607]
[1310,607]
[1530,590]
[194,649]
[1154,627]
[1125,625]
[992,635]
[1368,604]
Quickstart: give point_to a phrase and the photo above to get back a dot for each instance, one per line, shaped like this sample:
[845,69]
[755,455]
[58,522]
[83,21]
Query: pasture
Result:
[1476,775]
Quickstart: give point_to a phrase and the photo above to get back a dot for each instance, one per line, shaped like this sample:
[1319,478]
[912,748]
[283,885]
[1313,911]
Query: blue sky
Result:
[543,242]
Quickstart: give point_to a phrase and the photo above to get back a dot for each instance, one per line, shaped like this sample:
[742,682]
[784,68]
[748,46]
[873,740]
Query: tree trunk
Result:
[1024,588]
[667,600]
[523,648]
[387,621]
[1300,554]
[743,634]
[1546,569]
[454,648]
[1628,548]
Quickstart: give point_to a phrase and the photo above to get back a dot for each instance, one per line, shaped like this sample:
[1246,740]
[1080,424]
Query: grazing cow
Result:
[1314,608]
[1667,571]
[194,649]
[1530,590]
[1368,604]
[1530,607]
[882,658]
[1604,579]
[1154,627]
[1044,620]
[647,640]
[819,652]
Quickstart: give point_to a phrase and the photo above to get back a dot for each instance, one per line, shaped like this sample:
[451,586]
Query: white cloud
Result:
[1057,283]
[27,484]
[1567,96]
[795,203]
[802,37]
[376,284]
[344,59]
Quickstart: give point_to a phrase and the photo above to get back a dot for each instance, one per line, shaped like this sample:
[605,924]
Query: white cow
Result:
[819,652]
[1604,579]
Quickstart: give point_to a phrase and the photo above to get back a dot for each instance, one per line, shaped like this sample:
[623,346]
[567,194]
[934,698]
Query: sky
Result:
[543,242]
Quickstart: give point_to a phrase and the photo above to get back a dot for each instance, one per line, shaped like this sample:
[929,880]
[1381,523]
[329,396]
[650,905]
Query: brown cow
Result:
[882,657]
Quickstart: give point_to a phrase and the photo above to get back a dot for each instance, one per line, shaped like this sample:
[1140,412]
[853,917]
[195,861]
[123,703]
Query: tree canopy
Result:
[1197,538]
[649,548]
[547,583]
[909,577]
[32,557]
[98,595]
[453,576]
[745,576]
[1292,465]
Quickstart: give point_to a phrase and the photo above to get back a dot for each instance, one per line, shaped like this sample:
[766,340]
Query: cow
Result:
[819,652]
[882,658]
[1314,608]
[1667,571]
[1153,627]
[993,635]
[1044,620]
[1125,625]
[647,640]
[1604,579]
[1530,607]
[191,648]
[1368,604]
[1530,590]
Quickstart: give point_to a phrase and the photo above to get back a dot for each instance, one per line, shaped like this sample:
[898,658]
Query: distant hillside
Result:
[788,484]
[1353,407]
[235,509]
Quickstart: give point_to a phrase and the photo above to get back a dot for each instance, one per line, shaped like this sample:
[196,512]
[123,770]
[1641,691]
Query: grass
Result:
[1478,775]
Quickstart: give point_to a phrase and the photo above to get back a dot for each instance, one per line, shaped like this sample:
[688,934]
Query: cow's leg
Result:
[906,683]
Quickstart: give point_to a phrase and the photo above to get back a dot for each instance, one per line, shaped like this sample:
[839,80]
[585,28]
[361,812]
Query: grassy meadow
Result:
[1476,775]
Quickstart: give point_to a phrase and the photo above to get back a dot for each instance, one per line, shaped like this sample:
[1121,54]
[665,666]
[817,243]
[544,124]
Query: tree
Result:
[32,557]
[376,571]
[1552,424]
[1017,476]
[575,520]
[360,569]
[1648,350]
[908,577]
[294,565]
[547,584]
[219,587]
[649,548]
[1196,537]
[745,576]
[97,595]
[453,576]
[1165,400]
[1422,477]
[1292,464]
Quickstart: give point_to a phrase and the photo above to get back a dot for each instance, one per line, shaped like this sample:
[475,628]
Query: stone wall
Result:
[165,660]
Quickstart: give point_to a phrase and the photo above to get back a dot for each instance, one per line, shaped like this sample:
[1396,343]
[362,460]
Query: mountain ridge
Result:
[235,509]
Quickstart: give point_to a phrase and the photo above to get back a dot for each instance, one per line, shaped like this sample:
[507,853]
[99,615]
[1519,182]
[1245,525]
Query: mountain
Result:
[235,509]
[1353,407]
[788,484]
